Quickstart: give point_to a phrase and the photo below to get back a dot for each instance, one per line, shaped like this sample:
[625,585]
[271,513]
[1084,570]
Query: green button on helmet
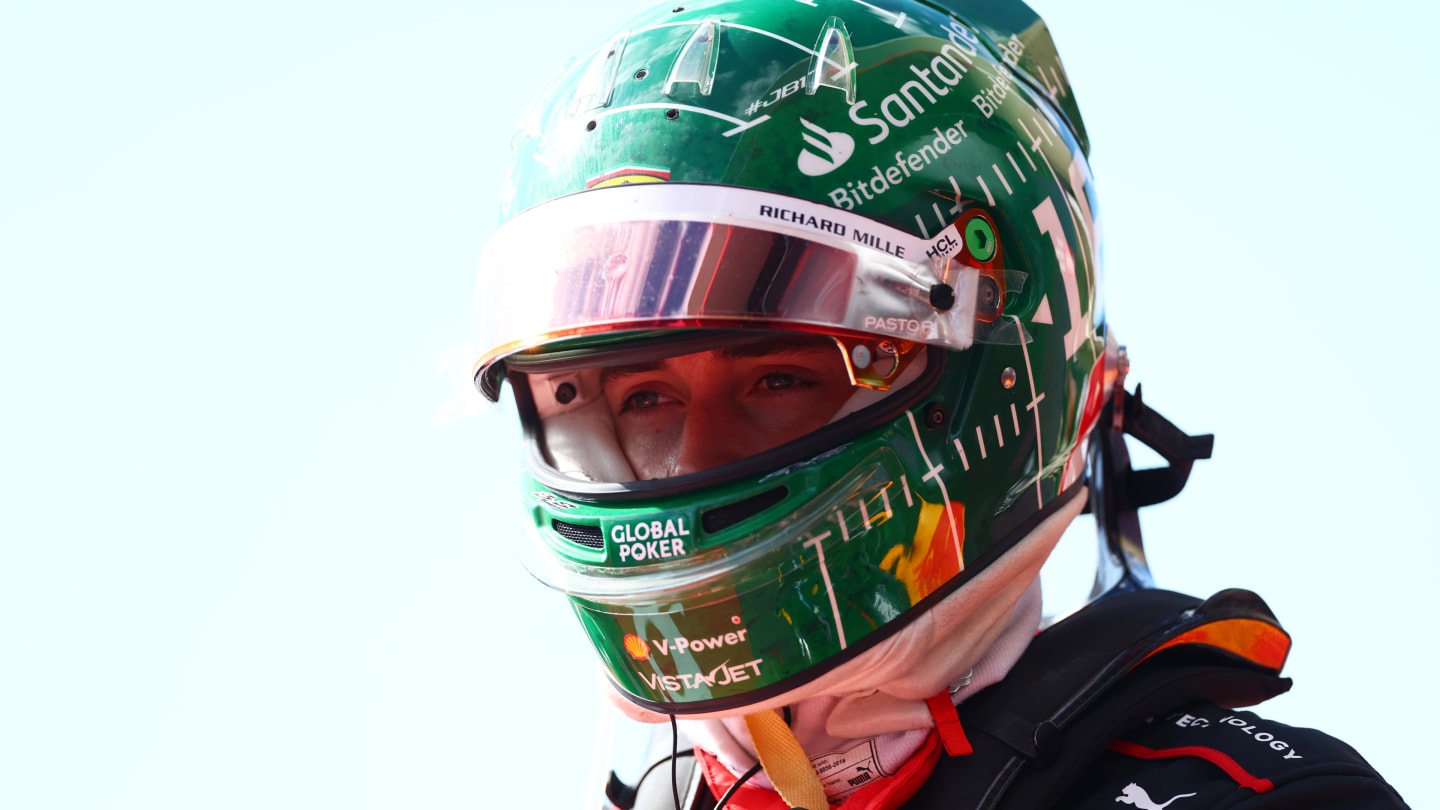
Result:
[865,233]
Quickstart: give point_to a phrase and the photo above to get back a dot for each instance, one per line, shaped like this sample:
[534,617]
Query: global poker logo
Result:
[834,149]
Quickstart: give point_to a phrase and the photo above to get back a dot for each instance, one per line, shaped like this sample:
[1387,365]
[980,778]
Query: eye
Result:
[639,401]
[778,381]
[791,380]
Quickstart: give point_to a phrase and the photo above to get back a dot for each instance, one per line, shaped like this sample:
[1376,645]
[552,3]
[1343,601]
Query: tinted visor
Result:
[665,256]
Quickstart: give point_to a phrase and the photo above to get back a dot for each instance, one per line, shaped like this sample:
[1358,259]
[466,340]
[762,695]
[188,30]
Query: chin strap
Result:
[1118,491]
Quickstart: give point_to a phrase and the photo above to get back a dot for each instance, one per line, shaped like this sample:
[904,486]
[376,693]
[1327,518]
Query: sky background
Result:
[253,553]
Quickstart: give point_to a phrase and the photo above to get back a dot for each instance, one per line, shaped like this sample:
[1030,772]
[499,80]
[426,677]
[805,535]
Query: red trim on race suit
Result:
[1215,757]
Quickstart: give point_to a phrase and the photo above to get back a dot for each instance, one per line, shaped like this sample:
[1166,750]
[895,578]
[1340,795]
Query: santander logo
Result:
[831,150]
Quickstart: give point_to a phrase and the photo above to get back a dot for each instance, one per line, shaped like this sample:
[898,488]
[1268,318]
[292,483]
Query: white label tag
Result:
[844,772]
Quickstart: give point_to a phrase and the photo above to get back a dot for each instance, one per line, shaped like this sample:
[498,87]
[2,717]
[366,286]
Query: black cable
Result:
[626,800]
[745,777]
[675,754]
[689,752]
[675,760]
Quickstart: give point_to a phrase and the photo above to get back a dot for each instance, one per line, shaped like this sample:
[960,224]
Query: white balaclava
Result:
[879,697]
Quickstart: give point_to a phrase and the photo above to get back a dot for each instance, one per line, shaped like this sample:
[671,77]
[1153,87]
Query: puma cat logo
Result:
[1136,795]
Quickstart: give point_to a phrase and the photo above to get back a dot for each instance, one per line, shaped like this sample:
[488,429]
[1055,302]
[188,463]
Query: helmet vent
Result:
[698,59]
[588,536]
[598,82]
[833,61]
[723,517]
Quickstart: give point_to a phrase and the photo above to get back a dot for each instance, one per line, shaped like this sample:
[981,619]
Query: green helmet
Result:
[899,185]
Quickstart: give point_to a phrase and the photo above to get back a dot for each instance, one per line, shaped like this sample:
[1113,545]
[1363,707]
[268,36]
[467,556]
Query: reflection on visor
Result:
[629,258]
[663,415]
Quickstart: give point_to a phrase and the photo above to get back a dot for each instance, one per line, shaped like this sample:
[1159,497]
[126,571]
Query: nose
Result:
[716,431]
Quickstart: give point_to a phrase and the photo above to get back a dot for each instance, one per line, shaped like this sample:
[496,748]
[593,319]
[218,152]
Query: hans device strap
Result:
[1087,679]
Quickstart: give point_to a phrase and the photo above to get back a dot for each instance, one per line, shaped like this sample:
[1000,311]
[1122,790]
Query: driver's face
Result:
[692,412]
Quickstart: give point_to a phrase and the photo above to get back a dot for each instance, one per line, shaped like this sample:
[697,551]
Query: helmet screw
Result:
[590,126]
[672,113]
[565,393]
[641,73]
[934,415]
[1007,378]
[860,356]
[989,297]
[942,297]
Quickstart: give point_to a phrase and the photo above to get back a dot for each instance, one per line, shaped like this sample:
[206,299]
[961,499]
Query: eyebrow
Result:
[611,373]
[791,344]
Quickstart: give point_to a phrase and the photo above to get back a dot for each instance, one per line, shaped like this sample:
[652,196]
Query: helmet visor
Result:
[662,408]
[663,256]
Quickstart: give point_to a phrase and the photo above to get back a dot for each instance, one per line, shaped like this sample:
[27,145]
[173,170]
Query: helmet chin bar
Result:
[1118,491]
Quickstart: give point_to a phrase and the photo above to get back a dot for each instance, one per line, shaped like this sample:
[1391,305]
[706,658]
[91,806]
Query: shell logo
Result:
[636,647]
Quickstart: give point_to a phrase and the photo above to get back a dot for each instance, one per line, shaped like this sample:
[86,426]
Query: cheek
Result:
[650,446]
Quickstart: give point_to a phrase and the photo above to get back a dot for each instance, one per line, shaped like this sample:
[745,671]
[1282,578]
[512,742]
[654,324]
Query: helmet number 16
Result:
[1048,219]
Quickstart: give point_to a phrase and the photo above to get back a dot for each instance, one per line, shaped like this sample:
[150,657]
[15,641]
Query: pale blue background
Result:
[242,566]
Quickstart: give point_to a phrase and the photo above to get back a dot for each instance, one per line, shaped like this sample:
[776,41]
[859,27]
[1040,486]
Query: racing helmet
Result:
[880,213]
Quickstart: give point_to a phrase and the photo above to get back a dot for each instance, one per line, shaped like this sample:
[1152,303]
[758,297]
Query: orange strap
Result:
[947,724]
[785,761]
